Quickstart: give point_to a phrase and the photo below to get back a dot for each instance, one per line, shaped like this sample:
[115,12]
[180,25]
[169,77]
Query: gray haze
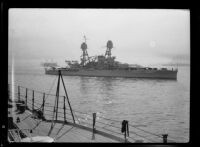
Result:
[140,36]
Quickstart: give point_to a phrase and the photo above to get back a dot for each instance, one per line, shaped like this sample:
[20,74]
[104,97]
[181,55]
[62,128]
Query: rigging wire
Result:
[101,116]
[146,131]
[117,127]
[141,136]
[47,94]
[104,123]
[89,114]
[37,90]
[119,133]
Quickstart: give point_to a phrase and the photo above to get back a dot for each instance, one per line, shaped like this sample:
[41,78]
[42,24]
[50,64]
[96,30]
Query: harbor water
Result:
[158,106]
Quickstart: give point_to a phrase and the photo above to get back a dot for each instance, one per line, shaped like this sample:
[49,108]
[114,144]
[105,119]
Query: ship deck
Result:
[60,132]
[65,129]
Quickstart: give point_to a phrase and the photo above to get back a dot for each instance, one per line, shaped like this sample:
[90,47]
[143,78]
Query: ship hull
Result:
[157,74]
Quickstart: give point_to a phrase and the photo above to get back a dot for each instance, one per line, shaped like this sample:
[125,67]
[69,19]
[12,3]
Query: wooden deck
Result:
[60,132]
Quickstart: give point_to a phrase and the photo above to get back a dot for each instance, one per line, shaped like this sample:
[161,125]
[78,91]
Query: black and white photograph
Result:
[95,75]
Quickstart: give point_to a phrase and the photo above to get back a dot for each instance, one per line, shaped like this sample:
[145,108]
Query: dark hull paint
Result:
[155,74]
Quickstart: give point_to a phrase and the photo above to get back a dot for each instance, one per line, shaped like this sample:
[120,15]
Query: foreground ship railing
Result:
[41,104]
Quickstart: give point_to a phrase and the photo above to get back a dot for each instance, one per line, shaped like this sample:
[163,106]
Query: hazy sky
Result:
[142,36]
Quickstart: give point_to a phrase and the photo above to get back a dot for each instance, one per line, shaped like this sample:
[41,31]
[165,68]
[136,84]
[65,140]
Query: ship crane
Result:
[84,56]
[108,50]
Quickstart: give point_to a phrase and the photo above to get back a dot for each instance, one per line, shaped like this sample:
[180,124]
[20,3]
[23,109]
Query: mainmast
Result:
[84,56]
[108,50]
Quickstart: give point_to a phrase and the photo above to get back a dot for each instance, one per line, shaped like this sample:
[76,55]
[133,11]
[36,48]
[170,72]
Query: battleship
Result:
[106,66]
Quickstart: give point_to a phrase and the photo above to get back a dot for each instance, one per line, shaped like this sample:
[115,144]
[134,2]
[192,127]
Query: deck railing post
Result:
[94,120]
[18,93]
[33,101]
[125,129]
[64,109]
[57,96]
[165,138]
[26,96]
[43,103]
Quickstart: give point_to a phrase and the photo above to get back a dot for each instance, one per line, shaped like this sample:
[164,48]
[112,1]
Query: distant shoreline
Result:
[180,64]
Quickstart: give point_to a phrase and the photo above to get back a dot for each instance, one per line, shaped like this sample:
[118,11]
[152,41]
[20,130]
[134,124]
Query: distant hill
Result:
[176,59]
[176,64]
[135,65]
